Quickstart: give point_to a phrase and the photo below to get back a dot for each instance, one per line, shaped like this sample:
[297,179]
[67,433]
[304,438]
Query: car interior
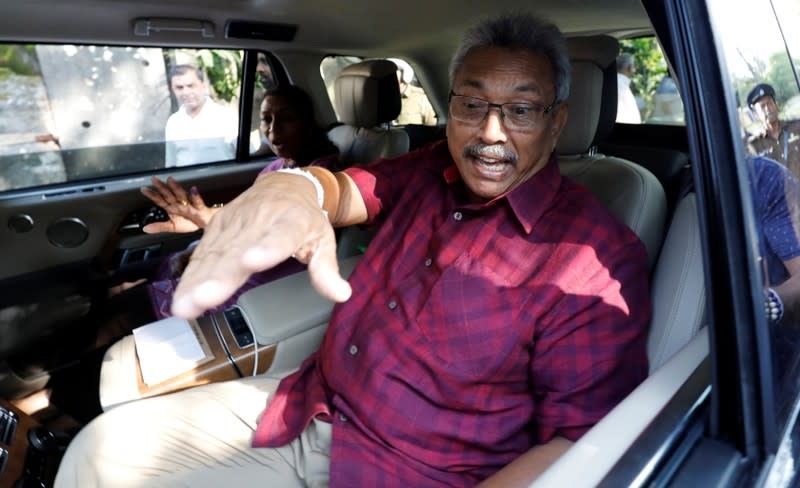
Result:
[86,235]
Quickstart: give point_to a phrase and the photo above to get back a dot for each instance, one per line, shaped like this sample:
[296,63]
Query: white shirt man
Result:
[627,108]
[201,130]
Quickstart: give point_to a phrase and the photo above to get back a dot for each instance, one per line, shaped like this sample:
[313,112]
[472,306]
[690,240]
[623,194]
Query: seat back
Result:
[678,286]
[628,190]
[636,197]
[367,98]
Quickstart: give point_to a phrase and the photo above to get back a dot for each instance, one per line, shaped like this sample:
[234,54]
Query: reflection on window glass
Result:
[415,108]
[70,112]
[763,80]
[265,81]
[646,93]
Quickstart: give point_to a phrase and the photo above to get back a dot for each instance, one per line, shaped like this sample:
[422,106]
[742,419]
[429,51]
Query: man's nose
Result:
[492,129]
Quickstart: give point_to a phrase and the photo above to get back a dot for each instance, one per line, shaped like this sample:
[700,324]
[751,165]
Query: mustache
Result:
[490,151]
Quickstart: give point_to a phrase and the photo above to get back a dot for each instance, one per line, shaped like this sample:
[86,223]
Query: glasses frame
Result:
[545,109]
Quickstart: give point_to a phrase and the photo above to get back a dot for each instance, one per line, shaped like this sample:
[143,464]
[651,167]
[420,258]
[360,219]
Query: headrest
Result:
[367,93]
[592,93]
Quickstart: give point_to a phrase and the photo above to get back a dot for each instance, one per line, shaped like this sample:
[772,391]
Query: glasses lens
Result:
[521,115]
[468,109]
[516,116]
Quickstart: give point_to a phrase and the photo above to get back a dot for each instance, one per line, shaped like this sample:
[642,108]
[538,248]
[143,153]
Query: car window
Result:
[760,67]
[74,112]
[416,107]
[646,91]
[265,81]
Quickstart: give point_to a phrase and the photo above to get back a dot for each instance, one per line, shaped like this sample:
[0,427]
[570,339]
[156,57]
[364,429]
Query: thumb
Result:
[323,269]
[158,227]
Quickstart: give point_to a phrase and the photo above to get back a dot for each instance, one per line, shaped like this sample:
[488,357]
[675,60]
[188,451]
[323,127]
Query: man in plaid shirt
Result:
[498,314]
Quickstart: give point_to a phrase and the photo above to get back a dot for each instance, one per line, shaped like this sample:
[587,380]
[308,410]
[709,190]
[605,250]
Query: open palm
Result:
[186,210]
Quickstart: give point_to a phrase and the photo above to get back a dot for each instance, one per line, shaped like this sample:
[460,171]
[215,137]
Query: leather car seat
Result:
[367,98]
[629,191]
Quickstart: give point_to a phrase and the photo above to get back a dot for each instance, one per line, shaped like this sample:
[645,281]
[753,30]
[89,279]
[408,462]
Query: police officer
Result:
[415,108]
[779,141]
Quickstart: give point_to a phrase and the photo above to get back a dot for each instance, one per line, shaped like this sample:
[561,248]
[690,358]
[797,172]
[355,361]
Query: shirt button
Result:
[458,216]
[428,262]
[392,305]
[353,349]
[343,417]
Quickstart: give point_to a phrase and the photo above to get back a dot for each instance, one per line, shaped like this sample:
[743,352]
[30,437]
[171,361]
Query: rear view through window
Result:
[646,91]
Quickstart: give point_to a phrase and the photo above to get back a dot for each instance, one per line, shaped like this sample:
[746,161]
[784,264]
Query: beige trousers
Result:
[194,438]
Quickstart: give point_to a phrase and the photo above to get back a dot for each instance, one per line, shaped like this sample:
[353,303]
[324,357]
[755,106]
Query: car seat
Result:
[367,98]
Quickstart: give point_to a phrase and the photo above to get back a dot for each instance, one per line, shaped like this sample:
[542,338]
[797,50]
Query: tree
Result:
[650,69]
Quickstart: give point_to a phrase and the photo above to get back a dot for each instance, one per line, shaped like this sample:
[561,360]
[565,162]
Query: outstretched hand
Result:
[187,212]
[278,217]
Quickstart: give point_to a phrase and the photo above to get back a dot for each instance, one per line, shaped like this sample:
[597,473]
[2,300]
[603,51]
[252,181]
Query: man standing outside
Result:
[627,108]
[499,313]
[778,140]
[415,108]
[201,130]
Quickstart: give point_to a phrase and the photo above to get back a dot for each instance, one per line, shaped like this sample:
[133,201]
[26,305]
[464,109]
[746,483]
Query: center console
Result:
[29,453]
[287,316]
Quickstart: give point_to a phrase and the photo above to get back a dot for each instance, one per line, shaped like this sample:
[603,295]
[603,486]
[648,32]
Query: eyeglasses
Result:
[516,115]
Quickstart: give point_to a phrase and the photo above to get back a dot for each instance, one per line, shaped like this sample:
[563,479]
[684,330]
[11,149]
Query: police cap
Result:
[760,90]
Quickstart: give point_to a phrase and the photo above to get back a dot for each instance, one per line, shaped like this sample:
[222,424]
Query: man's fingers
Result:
[192,304]
[209,280]
[323,268]
[325,278]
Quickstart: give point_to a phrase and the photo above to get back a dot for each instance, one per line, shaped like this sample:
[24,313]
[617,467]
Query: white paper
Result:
[166,348]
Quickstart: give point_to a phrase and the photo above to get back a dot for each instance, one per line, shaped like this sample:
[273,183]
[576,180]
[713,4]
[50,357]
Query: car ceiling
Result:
[403,27]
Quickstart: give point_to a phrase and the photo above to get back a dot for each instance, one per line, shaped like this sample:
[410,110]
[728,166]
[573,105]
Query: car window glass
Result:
[763,80]
[265,81]
[416,107]
[74,112]
[646,92]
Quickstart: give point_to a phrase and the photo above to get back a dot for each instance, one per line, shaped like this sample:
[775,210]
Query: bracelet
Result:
[310,177]
[773,306]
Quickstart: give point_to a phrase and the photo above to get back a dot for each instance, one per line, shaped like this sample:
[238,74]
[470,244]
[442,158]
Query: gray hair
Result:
[519,31]
[182,69]
[624,61]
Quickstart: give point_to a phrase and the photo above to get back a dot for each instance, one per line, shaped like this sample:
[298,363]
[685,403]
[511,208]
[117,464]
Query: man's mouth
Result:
[491,165]
[491,160]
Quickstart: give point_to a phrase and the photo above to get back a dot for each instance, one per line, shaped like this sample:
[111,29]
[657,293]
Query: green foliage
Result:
[19,59]
[650,68]
[222,70]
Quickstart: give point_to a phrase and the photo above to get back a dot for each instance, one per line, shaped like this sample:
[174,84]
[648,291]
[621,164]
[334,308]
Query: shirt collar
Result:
[529,200]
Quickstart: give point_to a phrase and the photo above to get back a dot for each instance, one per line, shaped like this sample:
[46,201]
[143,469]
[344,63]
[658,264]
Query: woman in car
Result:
[289,125]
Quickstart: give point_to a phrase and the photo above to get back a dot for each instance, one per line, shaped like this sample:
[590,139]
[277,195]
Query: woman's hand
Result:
[187,212]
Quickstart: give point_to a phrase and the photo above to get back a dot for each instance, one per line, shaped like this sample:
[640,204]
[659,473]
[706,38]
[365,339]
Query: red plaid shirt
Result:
[474,331]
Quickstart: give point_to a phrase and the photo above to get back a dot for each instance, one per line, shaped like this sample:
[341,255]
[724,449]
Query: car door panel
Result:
[101,212]
[77,240]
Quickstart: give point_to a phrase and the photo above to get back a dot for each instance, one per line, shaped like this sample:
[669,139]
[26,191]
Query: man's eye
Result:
[473,106]
[521,110]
